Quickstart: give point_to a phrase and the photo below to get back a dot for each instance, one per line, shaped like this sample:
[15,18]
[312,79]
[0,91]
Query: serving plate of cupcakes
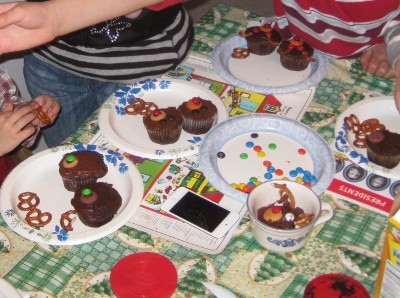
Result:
[257,59]
[247,150]
[160,118]
[368,133]
[70,195]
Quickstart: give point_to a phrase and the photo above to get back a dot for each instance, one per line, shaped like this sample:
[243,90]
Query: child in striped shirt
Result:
[369,29]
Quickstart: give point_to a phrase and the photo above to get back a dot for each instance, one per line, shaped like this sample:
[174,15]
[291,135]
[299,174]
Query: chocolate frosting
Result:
[207,110]
[173,119]
[90,164]
[389,145]
[103,209]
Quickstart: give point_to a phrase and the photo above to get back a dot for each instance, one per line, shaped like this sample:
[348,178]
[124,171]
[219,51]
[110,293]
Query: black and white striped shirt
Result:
[123,63]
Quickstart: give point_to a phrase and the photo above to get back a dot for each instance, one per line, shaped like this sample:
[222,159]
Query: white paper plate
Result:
[128,133]
[231,136]
[40,174]
[264,74]
[7,290]
[383,108]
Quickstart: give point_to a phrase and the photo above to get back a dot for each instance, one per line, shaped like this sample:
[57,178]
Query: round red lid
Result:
[144,275]
[335,285]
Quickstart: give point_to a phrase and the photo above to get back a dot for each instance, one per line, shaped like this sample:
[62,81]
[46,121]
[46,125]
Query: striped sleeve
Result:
[342,28]
[392,39]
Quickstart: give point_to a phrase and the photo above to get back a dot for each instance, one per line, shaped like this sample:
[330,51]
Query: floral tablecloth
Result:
[350,243]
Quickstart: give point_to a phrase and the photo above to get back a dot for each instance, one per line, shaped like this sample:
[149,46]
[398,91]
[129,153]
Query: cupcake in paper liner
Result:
[199,115]
[261,40]
[96,204]
[295,54]
[383,148]
[164,126]
[81,167]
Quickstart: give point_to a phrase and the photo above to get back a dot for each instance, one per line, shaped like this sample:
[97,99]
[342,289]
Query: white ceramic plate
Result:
[7,290]
[39,174]
[264,74]
[128,133]
[382,108]
[288,136]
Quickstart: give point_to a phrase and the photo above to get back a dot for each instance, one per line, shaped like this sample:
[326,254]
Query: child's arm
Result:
[24,25]
[15,126]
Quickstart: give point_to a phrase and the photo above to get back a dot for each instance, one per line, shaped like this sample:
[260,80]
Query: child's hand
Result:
[15,126]
[375,61]
[49,106]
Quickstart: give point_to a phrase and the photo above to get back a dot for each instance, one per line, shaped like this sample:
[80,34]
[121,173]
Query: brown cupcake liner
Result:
[295,63]
[196,126]
[260,48]
[72,184]
[387,161]
[165,136]
[95,222]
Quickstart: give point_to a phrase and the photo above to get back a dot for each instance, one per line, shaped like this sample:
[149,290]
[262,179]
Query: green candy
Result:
[86,191]
[70,158]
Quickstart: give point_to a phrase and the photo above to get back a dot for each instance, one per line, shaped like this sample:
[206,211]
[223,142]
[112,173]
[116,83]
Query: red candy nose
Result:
[276,209]
[156,112]
[196,100]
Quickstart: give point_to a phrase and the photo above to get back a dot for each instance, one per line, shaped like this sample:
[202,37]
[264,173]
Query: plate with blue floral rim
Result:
[40,174]
[382,108]
[264,74]
[247,150]
[128,133]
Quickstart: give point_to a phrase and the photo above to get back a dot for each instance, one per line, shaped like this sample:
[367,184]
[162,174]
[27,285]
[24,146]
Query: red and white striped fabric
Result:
[9,93]
[341,28]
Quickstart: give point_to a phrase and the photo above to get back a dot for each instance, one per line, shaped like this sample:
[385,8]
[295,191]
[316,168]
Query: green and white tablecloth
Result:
[349,243]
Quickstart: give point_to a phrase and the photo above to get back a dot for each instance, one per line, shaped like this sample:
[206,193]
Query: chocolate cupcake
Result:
[199,115]
[383,148]
[96,203]
[261,40]
[164,126]
[81,167]
[295,54]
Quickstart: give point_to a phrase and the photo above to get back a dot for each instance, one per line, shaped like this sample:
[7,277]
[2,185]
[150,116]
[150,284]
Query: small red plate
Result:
[144,275]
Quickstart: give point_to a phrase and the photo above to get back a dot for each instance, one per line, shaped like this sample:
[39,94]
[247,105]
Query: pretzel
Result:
[28,200]
[67,220]
[352,122]
[284,190]
[371,125]
[36,218]
[304,220]
[363,129]
[240,53]
[42,116]
[138,106]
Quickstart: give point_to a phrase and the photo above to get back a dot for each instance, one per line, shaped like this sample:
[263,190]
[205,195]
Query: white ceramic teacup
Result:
[281,240]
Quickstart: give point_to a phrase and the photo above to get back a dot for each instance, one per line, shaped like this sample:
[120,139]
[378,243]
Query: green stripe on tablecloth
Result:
[101,255]
[296,287]
[350,228]
[40,270]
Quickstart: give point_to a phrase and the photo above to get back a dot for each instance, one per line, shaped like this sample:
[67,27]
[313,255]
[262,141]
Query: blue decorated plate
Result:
[128,133]
[262,147]
[264,74]
[39,174]
[383,108]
